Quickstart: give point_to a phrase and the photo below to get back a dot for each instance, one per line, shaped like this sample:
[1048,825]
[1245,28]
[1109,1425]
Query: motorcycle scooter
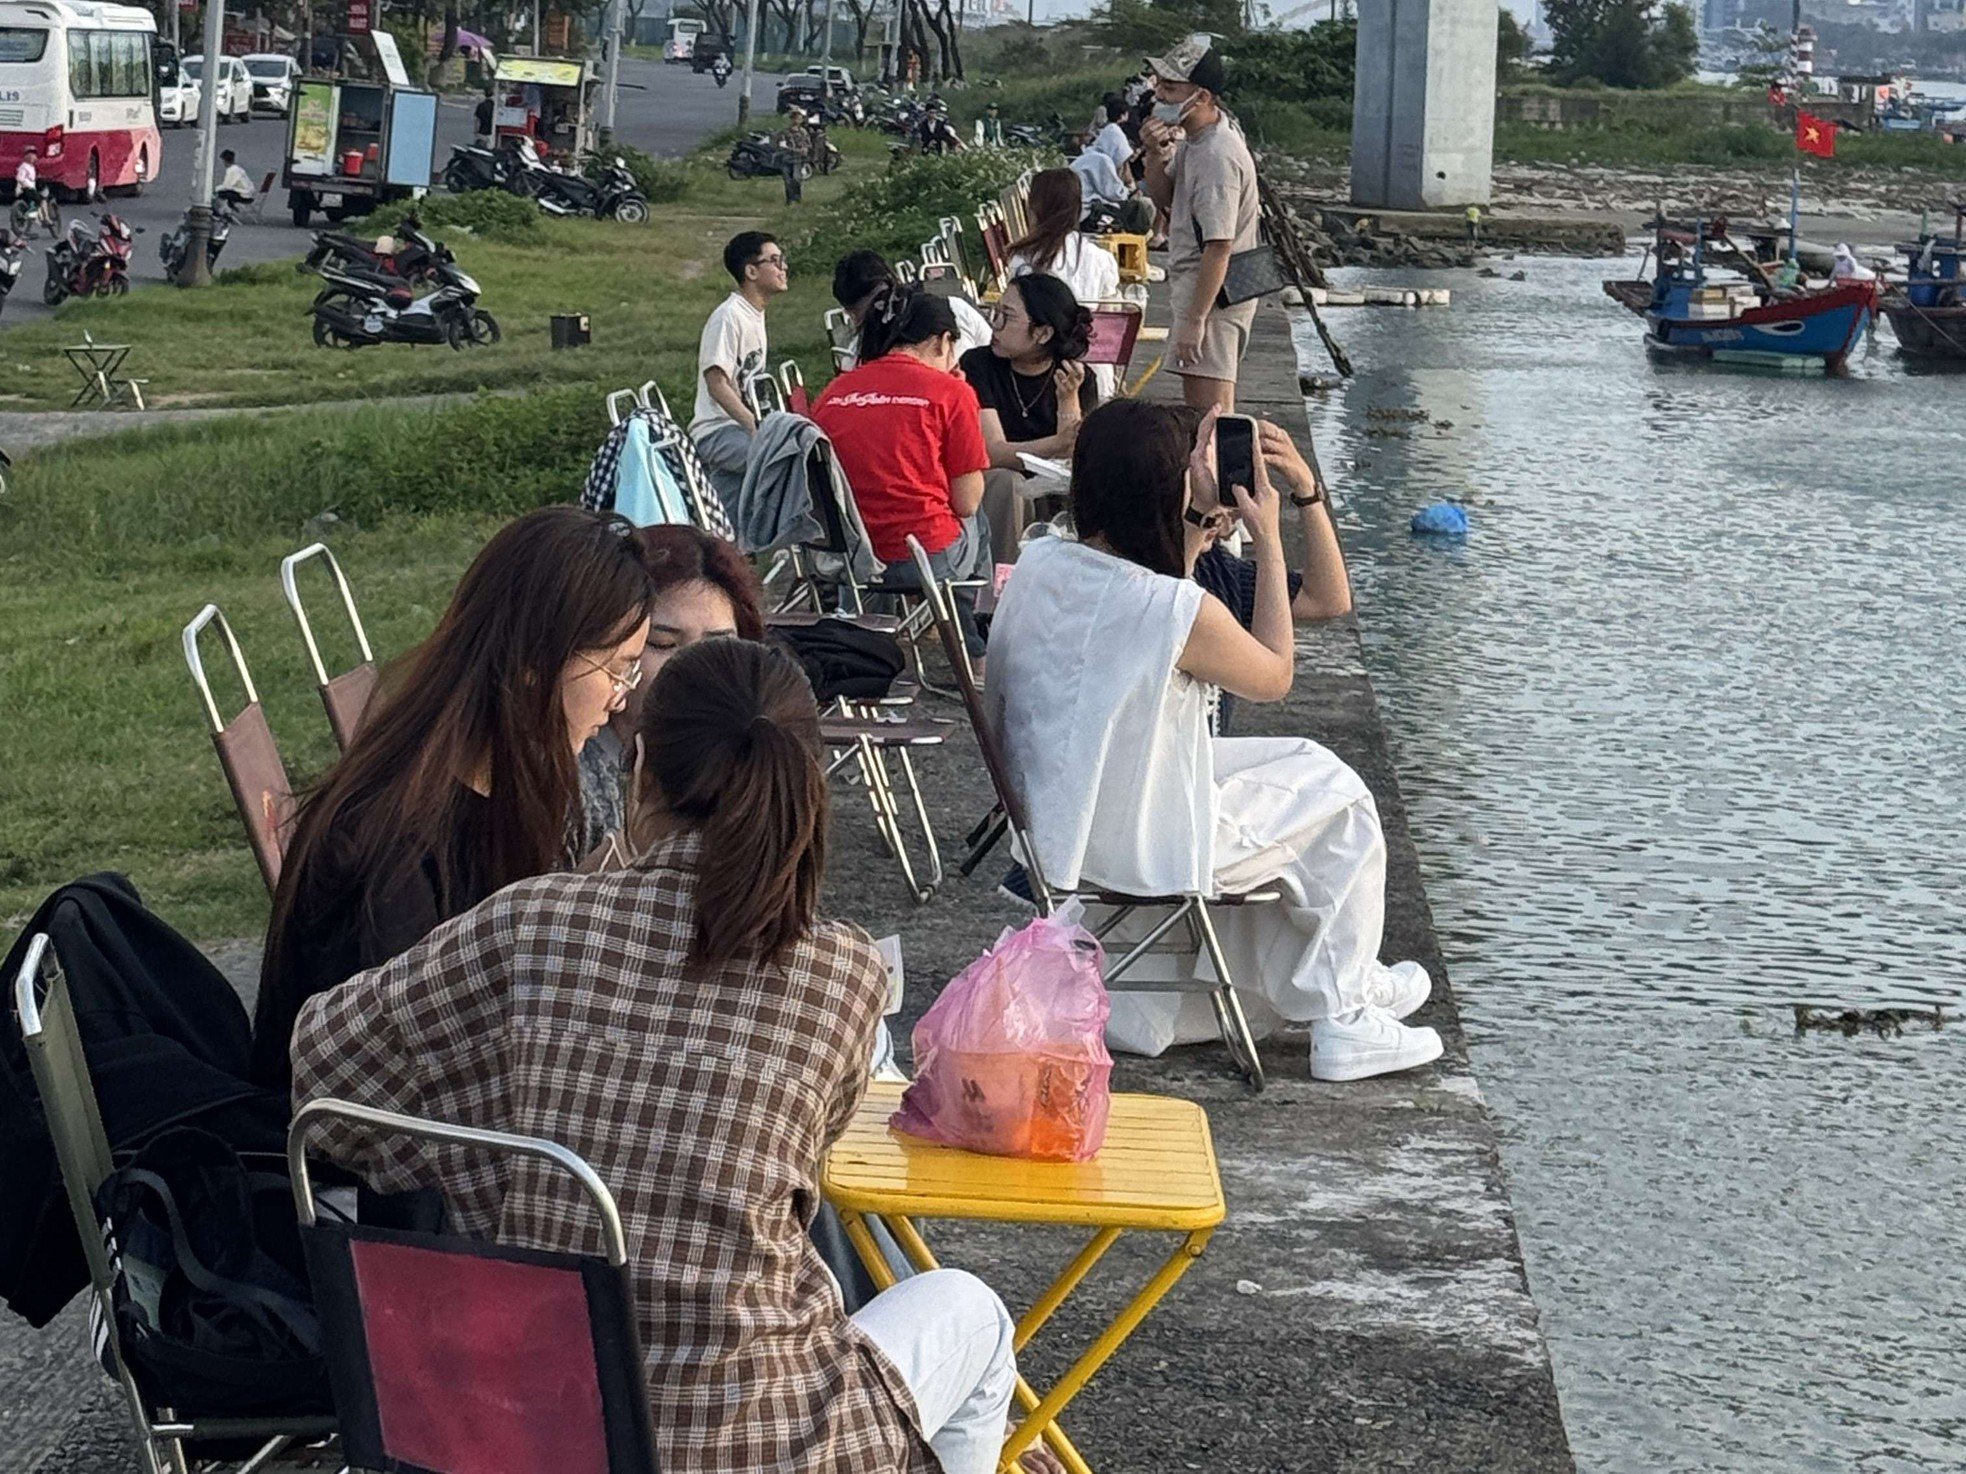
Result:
[354,310]
[82,266]
[171,246]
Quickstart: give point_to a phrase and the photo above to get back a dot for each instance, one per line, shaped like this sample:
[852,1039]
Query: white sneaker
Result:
[1400,989]
[1370,1042]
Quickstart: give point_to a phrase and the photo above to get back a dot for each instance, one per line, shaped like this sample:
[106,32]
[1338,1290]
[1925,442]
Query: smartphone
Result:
[1235,456]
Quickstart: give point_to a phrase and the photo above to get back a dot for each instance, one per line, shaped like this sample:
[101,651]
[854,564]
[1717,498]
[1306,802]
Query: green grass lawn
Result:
[645,288]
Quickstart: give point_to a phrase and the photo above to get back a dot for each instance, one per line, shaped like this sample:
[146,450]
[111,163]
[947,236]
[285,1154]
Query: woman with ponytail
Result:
[692,1029]
[909,436]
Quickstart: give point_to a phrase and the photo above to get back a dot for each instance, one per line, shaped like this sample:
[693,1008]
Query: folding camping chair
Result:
[1008,817]
[1115,332]
[68,1103]
[246,751]
[650,396]
[763,394]
[840,336]
[448,1353]
[941,279]
[346,696]
[792,385]
[266,182]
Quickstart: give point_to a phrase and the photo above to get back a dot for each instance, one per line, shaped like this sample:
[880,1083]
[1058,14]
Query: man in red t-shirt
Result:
[909,436]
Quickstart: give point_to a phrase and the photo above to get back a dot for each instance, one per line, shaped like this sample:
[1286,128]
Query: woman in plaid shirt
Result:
[691,1028]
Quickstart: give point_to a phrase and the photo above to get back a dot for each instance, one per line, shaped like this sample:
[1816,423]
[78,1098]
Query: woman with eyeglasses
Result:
[462,777]
[1103,654]
[1032,383]
[703,590]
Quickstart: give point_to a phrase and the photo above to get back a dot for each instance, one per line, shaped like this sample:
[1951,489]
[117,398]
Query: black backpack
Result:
[842,659]
[212,1305]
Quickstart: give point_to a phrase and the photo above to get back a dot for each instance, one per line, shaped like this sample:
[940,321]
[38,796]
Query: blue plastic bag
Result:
[1442,519]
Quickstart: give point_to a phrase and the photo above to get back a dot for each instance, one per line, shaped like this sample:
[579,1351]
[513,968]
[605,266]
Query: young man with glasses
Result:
[732,349]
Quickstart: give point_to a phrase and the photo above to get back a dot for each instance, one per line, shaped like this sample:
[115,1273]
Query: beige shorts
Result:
[1224,340]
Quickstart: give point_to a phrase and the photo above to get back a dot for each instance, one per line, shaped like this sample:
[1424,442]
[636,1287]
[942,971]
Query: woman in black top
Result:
[463,774]
[1034,388]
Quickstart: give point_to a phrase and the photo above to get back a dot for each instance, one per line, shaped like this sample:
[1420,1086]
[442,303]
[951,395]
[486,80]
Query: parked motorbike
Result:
[1050,134]
[613,196]
[842,109]
[171,247]
[471,167]
[900,116]
[757,157]
[13,250]
[415,259]
[353,309]
[84,265]
[41,208]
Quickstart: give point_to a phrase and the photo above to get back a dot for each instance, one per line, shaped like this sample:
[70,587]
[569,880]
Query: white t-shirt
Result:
[1089,269]
[734,341]
[1108,739]
[236,181]
[25,177]
[1112,142]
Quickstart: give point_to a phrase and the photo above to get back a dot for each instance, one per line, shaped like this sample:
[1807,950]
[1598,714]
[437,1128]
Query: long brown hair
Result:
[480,695]
[1130,481]
[1057,205]
[731,736]
[677,554]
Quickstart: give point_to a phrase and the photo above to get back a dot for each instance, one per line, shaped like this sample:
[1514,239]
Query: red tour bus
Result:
[75,85]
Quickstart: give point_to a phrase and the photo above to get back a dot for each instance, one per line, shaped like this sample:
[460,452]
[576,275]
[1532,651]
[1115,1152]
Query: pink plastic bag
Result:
[1011,1058]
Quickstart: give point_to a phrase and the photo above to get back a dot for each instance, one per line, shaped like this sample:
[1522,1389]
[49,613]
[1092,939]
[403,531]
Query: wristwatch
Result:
[1317,495]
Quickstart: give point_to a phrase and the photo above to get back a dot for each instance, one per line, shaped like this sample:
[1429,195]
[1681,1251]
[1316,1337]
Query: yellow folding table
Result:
[1156,1173]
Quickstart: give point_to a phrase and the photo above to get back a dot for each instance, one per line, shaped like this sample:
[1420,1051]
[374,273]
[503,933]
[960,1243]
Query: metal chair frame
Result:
[270,847]
[46,1016]
[1190,911]
[344,719]
[763,394]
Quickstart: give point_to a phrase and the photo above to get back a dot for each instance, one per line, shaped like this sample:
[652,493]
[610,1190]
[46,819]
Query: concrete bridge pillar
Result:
[1423,108]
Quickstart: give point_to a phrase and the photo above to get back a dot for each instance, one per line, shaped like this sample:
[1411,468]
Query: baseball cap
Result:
[1194,60]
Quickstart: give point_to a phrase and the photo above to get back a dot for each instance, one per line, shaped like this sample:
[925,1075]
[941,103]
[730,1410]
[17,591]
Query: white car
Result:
[273,77]
[177,104]
[235,87]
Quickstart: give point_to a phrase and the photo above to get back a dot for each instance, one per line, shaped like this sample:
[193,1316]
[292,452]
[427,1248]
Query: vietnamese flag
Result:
[1814,135]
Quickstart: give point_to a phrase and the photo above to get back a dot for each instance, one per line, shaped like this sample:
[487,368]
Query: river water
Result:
[1680,726]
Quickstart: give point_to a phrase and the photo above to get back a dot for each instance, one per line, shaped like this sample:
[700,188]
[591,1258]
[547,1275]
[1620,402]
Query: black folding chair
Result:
[346,697]
[1190,911]
[68,1104]
[451,1355]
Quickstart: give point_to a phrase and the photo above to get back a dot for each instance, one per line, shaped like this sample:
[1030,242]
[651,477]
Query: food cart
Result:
[357,141]
[552,101]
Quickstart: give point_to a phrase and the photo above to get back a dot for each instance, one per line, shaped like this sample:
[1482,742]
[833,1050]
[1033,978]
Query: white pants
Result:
[950,1337]
[1291,815]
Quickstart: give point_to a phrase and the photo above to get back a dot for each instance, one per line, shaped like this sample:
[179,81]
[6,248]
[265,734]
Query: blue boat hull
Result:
[1826,325]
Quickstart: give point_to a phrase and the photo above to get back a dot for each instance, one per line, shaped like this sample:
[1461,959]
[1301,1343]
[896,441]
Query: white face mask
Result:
[1171,113]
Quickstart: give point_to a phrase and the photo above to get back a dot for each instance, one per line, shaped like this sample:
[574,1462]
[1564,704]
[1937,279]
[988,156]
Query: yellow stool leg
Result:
[1110,1340]
[1063,1286]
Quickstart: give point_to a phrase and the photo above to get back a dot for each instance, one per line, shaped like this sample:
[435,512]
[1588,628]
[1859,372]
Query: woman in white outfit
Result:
[1103,654]
[1054,247]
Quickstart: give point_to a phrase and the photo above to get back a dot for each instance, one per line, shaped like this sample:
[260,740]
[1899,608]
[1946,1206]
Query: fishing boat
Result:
[1753,317]
[1928,313]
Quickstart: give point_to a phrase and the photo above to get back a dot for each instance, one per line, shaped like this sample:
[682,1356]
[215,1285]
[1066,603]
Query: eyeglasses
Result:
[998,316]
[779,261]
[623,683]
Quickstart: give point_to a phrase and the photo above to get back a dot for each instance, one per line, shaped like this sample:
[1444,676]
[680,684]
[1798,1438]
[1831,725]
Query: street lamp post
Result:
[196,271]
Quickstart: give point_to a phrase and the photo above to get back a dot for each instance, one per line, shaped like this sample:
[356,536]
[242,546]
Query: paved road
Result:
[665,110]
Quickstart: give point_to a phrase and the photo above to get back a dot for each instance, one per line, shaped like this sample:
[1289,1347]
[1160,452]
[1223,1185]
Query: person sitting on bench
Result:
[694,1030]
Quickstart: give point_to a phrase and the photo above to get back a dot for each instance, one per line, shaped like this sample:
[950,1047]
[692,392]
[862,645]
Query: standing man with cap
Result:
[1198,169]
